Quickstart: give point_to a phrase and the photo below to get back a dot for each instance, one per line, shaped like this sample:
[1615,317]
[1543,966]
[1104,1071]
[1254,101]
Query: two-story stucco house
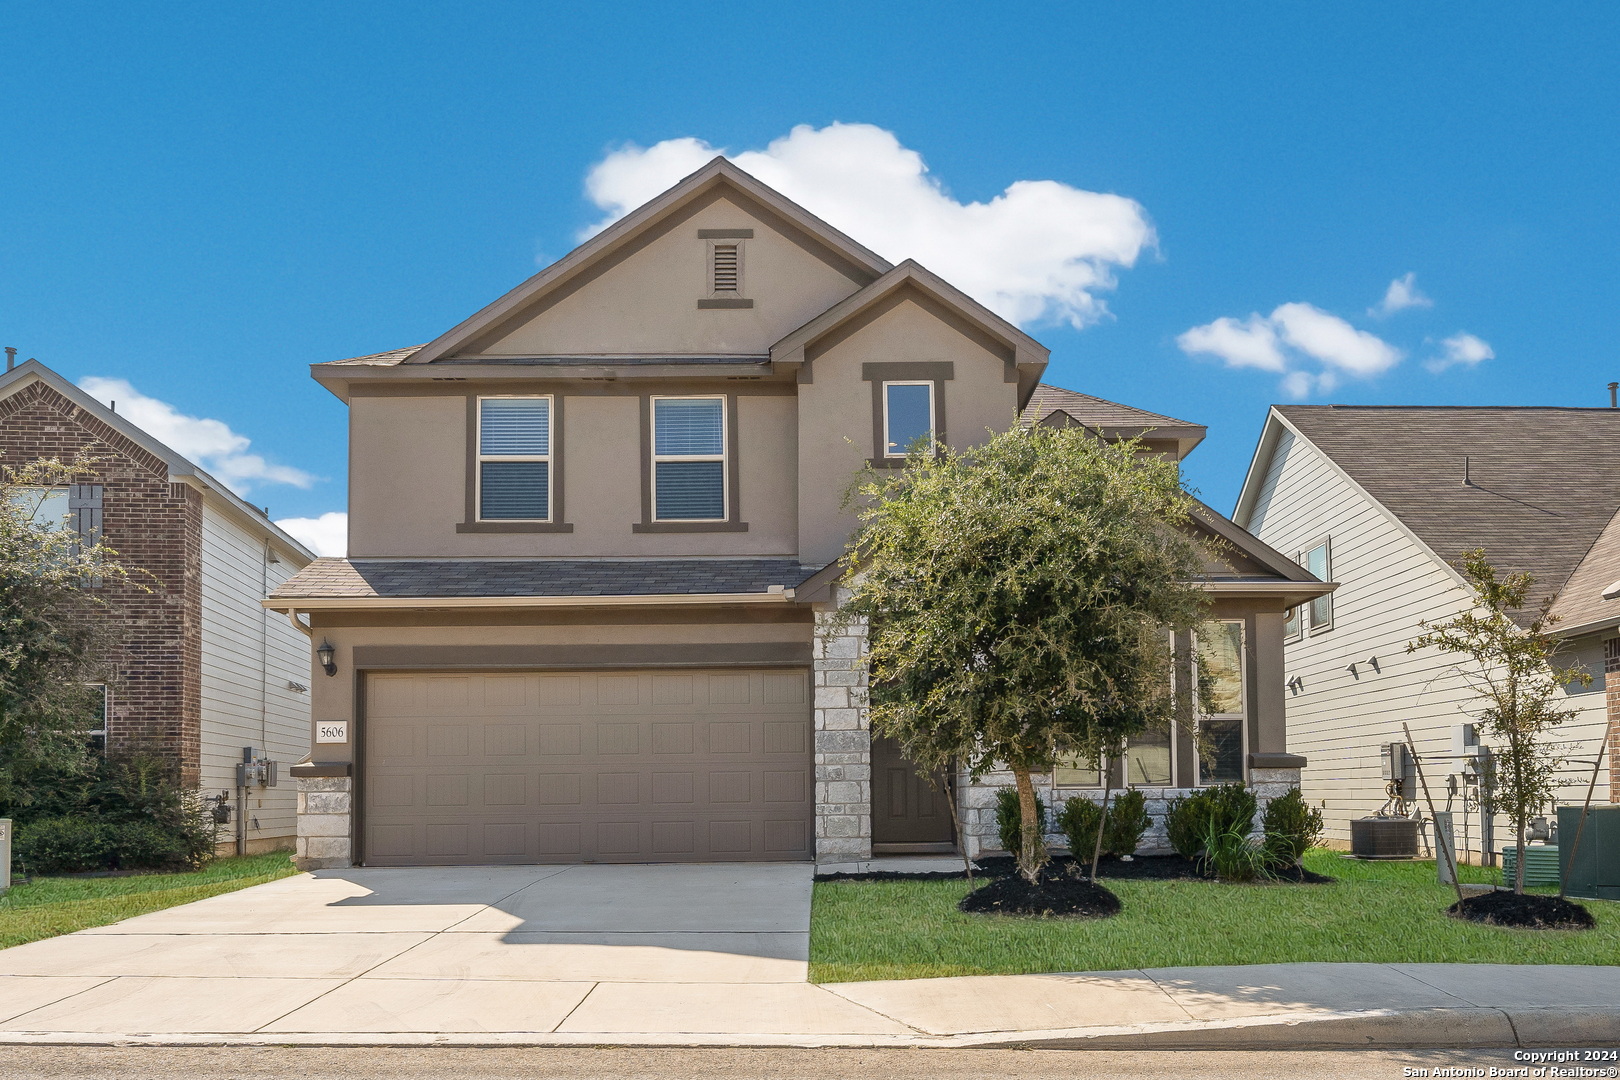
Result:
[204,670]
[1384,500]
[594,529]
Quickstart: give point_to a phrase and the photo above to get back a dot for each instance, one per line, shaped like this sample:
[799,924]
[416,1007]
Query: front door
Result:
[909,812]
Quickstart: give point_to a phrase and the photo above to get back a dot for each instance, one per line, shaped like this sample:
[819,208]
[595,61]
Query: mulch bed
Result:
[1057,893]
[1529,912]
[1140,868]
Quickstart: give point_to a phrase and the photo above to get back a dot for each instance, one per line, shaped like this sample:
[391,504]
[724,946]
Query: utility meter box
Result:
[1397,763]
[1594,872]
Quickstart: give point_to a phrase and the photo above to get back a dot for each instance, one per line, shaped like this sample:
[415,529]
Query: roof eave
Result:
[291,604]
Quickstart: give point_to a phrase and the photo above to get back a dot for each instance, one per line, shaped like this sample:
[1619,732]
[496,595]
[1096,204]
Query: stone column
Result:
[843,741]
[325,822]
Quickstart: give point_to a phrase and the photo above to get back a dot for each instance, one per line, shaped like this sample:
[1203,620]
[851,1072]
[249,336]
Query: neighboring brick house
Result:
[588,608]
[202,672]
[1385,500]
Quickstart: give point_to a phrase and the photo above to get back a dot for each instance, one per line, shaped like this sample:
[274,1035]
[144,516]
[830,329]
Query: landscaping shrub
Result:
[123,812]
[1228,808]
[1233,856]
[62,845]
[1291,825]
[1078,823]
[1009,819]
[1127,821]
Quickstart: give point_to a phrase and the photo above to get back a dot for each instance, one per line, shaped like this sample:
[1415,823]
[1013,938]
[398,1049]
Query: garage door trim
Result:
[395,658]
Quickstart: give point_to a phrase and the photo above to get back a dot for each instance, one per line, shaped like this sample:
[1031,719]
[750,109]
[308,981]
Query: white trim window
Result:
[1294,624]
[908,416]
[514,458]
[98,733]
[689,458]
[46,507]
[1223,708]
[1318,559]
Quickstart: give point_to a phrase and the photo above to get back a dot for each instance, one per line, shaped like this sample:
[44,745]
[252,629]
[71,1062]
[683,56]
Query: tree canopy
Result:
[55,637]
[1020,598]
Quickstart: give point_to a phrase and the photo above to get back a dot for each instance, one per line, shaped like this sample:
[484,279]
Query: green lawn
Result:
[60,905]
[1377,912]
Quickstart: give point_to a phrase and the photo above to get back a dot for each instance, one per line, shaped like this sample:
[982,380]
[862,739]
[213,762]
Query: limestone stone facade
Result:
[843,740]
[325,820]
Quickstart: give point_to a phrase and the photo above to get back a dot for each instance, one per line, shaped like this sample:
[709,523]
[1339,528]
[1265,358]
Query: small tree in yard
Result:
[1018,598]
[54,633]
[1512,671]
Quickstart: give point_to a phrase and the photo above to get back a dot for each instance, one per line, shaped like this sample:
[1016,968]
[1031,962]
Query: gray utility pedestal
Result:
[1594,872]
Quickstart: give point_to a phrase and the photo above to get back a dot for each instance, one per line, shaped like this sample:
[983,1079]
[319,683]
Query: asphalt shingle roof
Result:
[1543,482]
[1094,412]
[428,578]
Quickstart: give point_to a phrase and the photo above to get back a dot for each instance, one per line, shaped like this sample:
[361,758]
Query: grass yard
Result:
[1376,913]
[49,906]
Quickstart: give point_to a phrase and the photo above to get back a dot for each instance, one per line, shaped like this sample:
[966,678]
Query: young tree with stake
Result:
[1512,671]
[1019,598]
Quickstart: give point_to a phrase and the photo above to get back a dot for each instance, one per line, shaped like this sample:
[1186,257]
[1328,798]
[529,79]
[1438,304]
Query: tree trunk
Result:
[1518,863]
[1030,848]
[1102,820]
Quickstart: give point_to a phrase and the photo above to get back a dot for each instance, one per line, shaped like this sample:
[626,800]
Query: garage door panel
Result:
[575,767]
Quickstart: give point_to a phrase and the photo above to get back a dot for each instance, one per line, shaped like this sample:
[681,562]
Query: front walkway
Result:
[694,955]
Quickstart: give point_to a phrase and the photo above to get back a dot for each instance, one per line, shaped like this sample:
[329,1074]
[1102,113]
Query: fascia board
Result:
[440,603]
[1259,463]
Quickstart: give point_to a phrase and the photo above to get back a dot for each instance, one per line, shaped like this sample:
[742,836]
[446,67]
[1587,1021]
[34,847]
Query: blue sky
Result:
[200,200]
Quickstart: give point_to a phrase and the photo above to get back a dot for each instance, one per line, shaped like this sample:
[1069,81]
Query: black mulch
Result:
[1528,912]
[1057,893]
[1140,868]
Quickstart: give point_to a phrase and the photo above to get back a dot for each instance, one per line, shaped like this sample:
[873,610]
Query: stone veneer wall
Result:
[978,802]
[325,820]
[843,741]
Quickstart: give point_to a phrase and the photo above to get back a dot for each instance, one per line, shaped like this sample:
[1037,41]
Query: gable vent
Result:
[727,268]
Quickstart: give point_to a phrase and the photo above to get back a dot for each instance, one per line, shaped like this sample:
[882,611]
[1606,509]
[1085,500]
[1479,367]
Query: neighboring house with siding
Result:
[1384,500]
[588,608]
[204,670]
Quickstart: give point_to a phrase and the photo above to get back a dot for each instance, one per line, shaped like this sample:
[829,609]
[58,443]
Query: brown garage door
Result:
[592,766]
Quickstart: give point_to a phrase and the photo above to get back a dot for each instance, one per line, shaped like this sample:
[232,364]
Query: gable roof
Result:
[859,263]
[32,372]
[1542,484]
[1026,357]
[1053,405]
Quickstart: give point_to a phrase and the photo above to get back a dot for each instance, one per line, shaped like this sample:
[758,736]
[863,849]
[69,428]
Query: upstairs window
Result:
[689,458]
[514,459]
[48,507]
[1319,561]
[908,417]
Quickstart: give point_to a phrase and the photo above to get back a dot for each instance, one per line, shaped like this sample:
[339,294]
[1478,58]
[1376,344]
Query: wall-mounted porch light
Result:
[324,655]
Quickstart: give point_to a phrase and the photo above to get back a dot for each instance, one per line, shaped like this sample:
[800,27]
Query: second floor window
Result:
[908,417]
[514,459]
[47,506]
[1319,561]
[689,459]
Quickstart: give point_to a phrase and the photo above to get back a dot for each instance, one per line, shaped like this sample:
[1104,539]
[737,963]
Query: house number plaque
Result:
[331,731]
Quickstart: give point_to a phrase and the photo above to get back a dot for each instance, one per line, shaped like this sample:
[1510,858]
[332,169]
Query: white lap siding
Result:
[249,656]
[1389,583]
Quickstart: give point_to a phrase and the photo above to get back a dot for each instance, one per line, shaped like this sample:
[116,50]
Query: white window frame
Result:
[1307,620]
[39,495]
[106,711]
[480,457]
[1241,716]
[724,457]
[889,450]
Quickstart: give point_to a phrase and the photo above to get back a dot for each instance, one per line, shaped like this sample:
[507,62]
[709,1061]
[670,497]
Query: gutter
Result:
[776,595]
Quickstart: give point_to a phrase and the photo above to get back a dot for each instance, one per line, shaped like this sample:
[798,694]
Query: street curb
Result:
[1468,1028]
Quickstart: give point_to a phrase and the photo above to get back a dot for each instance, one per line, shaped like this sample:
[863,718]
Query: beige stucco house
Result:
[594,528]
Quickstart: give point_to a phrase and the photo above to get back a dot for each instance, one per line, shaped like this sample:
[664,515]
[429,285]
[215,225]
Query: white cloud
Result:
[324,535]
[1309,347]
[210,443]
[1248,343]
[1039,251]
[1333,341]
[1460,348]
[1402,293]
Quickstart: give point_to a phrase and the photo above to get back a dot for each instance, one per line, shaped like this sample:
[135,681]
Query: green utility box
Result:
[1595,872]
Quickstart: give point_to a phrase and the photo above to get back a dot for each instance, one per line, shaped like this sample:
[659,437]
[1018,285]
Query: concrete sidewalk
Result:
[695,956]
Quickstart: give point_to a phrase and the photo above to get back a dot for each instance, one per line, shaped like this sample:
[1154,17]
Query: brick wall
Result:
[154,526]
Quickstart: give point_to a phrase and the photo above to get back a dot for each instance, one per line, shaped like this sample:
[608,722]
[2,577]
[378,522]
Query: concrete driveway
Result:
[480,949]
